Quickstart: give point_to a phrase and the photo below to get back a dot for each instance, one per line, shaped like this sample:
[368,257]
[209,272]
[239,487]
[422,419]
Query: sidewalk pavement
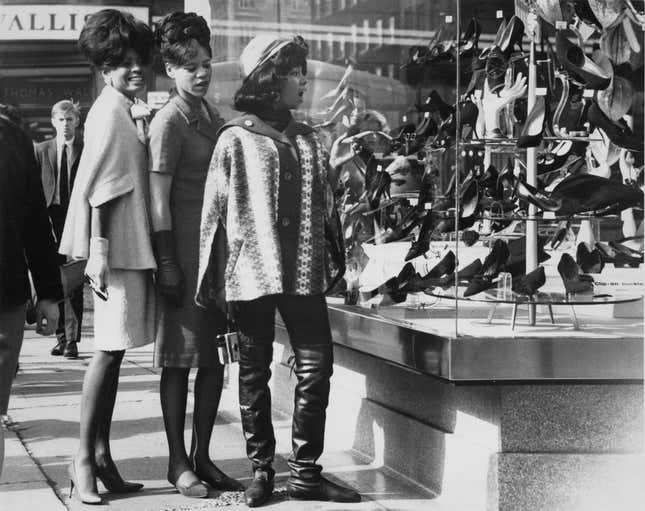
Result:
[42,435]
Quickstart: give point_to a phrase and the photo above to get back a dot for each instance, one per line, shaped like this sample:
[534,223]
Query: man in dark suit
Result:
[26,242]
[58,159]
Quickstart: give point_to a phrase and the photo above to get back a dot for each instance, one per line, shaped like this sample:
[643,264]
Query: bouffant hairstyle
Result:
[109,34]
[261,89]
[177,35]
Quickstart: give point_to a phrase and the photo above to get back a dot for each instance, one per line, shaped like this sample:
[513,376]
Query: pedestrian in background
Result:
[58,158]
[26,242]
[268,187]
[108,224]
[182,137]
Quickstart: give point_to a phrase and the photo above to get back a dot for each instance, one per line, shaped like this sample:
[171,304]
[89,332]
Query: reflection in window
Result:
[246,4]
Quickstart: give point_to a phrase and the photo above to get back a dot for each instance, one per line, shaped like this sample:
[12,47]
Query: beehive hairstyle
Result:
[261,89]
[109,34]
[178,34]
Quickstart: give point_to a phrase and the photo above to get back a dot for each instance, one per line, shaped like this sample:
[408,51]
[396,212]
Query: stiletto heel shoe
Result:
[590,261]
[574,281]
[114,483]
[581,68]
[494,263]
[528,284]
[511,36]
[90,496]
[531,135]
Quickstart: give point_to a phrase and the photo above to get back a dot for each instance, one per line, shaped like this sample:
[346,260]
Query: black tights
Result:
[174,392]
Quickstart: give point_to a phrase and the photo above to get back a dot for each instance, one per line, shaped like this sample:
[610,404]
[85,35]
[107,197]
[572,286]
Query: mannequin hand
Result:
[46,317]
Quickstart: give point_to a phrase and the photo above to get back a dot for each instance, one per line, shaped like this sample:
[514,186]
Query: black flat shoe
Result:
[590,261]
[533,130]
[260,489]
[581,68]
[322,489]
[218,480]
[573,279]
[528,284]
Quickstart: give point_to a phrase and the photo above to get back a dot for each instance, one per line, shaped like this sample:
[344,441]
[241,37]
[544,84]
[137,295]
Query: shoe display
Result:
[528,284]
[494,263]
[531,135]
[590,261]
[574,280]
[582,68]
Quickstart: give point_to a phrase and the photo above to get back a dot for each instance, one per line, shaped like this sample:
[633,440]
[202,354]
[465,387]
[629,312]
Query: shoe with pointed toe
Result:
[466,274]
[625,256]
[422,244]
[540,199]
[511,36]
[321,489]
[496,65]
[218,480]
[573,279]
[85,483]
[478,284]
[533,130]
[528,284]
[619,134]
[469,237]
[590,261]
[470,39]
[113,481]
[444,267]
[193,489]
[496,259]
[580,67]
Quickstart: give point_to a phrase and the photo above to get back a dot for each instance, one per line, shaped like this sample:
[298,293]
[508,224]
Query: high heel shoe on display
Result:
[574,280]
[113,481]
[496,65]
[590,261]
[194,489]
[511,36]
[581,68]
[494,263]
[470,39]
[528,284]
[620,135]
[625,256]
[86,490]
[532,132]
[466,274]
[422,244]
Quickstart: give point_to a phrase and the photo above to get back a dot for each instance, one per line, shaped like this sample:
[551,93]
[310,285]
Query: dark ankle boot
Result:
[320,489]
[255,400]
[261,488]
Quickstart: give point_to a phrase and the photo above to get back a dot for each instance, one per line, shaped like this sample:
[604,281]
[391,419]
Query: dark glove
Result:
[169,278]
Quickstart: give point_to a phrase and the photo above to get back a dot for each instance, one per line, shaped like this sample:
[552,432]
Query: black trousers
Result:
[307,322]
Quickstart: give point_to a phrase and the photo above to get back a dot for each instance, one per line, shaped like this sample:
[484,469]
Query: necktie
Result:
[64,186]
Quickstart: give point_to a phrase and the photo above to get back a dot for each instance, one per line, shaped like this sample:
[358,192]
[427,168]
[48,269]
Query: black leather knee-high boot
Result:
[255,410]
[313,368]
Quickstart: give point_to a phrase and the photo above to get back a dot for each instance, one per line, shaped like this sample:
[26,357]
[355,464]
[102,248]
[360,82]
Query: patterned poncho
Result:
[241,194]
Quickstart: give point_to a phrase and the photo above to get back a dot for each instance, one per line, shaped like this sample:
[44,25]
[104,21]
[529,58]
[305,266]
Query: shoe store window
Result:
[490,157]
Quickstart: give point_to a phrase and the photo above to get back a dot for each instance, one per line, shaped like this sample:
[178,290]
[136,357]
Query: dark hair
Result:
[12,113]
[261,89]
[109,34]
[176,35]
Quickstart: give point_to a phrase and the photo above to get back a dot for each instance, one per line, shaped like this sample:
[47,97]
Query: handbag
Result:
[228,344]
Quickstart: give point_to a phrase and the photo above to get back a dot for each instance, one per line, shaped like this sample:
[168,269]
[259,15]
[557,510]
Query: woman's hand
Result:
[97,267]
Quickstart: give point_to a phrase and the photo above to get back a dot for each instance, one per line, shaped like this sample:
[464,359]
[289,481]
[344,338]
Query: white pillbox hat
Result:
[260,49]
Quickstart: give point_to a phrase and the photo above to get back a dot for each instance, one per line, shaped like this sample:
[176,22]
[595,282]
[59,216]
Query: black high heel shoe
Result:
[480,62]
[622,136]
[528,284]
[540,199]
[466,274]
[493,264]
[87,495]
[470,40]
[114,483]
[581,68]
[422,243]
[626,256]
[496,65]
[573,279]
[590,261]
[511,36]
[533,130]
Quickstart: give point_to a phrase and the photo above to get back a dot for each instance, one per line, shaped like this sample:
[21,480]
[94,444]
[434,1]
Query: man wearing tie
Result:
[58,159]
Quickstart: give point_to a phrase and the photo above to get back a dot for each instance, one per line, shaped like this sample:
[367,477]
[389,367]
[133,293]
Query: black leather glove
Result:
[169,278]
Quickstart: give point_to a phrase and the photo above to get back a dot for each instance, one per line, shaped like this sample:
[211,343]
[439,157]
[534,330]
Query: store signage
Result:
[53,22]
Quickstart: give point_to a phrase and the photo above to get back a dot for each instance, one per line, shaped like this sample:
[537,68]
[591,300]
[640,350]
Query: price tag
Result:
[426,115]
[540,91]
[499,14]
[448,19]
[588,93]
[561,25]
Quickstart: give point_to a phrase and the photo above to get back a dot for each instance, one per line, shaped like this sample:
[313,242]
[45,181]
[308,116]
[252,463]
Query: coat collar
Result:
[254,124]
[208,129]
